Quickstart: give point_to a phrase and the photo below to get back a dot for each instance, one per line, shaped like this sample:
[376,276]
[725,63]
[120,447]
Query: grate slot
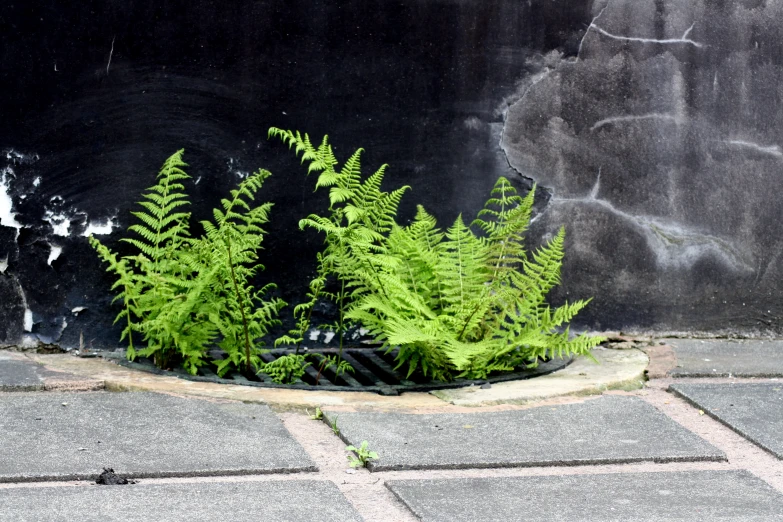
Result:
[382,368]
[362,374]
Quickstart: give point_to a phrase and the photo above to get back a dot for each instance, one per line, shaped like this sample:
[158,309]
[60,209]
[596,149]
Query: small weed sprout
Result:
[318,415]
[328,361]
[363,455]
[333,424]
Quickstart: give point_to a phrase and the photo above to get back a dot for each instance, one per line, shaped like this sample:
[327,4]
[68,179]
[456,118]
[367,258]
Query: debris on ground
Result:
[110,478]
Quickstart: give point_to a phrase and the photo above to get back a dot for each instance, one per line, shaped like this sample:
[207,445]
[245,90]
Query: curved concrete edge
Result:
[121,379]
[615,370]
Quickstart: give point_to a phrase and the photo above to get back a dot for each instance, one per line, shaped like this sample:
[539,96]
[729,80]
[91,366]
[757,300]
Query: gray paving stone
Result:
[735,496]
[17,374]
[609,429]
[288,501]
[723,358]
[141,435]
[755,411]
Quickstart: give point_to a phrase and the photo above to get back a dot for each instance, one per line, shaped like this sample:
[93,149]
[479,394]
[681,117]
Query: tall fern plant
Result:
[460,304]
[182,295]
[455,303]
[360,217]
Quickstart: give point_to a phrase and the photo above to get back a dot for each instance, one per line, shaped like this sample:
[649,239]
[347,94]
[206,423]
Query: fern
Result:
[184,295]
[286,369]
[463,305]
[454,303]
[360,216]
[231,246]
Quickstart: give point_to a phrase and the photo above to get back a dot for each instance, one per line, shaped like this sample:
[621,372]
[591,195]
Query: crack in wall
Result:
[534,81]
[772,150]
[619,119]
[673,244]
[665,41]
[592,24]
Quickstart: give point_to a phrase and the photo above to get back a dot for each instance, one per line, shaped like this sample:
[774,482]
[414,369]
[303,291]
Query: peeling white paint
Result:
[7,215]
[54,253]
[328,337]
[100,228]
[59,221]
[3,265]
[472,123]
[18,158]
[28,320]
[314,334]
[233,170]
[30,341]
[37,181]
[78,309]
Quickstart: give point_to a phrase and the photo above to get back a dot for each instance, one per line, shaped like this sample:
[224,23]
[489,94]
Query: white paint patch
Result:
[18,158]
[314,334]
[328,337]
[100,229]
[59,221]
[7,215]
[37,181]
[234,170]
[54,253]
[3,265]
[29,341]
[77,310]
[28,320]
[472,123]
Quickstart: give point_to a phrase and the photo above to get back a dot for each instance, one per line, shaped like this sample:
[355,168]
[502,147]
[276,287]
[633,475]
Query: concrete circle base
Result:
[614,369]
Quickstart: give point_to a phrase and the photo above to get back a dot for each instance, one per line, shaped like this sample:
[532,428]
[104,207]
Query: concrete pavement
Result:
[649,454]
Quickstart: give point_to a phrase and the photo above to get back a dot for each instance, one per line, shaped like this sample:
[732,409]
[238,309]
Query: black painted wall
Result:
[450,93]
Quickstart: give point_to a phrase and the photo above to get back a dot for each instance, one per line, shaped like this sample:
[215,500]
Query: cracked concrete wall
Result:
[660,144]
[652,129]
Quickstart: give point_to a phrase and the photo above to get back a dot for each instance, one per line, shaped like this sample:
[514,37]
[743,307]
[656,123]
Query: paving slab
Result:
[289,501]
[609,429]
[727,358]
[19,373]
[735,496]
[755,411]
[65,436]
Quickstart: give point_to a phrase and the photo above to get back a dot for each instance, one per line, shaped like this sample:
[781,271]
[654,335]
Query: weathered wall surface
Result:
[660,145]
[653,130]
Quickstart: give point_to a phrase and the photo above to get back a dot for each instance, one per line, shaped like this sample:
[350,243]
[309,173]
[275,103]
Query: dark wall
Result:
[450,93]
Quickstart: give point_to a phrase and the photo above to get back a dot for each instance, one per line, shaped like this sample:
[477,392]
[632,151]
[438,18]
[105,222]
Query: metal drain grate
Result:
[374,371]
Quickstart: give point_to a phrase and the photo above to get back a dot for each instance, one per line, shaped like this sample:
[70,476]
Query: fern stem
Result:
[241,309]
[340,326]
